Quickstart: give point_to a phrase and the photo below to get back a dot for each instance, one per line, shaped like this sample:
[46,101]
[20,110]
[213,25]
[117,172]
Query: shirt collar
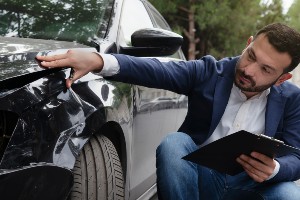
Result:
[261,95]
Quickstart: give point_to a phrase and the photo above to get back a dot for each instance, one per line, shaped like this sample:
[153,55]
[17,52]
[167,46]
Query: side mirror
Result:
[153,42]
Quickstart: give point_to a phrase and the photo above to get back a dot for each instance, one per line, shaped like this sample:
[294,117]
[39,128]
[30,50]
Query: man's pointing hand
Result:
[81,62]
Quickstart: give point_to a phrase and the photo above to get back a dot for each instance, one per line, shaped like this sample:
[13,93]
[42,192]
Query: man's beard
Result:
[253,87]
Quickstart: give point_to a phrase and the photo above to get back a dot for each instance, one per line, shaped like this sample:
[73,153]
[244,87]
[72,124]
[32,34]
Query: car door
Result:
[156,111]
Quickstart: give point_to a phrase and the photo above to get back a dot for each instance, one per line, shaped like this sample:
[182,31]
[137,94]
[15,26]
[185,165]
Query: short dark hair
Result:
[284,39]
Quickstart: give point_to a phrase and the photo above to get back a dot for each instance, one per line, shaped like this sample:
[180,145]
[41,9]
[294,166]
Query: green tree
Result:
[272,12]
[218,27]
[225,26]
[294,15]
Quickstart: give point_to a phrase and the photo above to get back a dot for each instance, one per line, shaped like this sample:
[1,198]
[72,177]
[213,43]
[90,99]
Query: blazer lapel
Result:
[274,110]
[221,97]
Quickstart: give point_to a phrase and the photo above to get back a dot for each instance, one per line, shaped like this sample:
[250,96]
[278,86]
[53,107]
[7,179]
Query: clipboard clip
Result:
[271,138]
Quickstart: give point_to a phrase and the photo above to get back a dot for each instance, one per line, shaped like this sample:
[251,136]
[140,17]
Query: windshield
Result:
[67,20]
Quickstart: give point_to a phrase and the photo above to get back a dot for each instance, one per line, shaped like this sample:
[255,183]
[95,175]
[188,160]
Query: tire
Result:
[98,172]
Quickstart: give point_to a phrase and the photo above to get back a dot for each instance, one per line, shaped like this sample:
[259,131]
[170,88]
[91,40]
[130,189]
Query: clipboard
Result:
[221,154]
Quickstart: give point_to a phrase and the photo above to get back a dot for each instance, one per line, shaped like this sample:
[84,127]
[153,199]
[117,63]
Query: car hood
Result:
[18,65]
[13,45]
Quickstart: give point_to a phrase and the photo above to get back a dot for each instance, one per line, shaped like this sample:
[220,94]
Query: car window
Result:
[160,22]
[74,20]
[134,17]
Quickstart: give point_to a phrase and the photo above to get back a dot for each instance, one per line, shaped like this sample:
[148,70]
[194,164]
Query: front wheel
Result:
[98,172]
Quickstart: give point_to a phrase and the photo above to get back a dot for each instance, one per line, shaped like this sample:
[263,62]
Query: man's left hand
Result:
[258,166]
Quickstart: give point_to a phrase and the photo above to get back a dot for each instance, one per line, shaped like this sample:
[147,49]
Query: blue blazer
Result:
[208,82]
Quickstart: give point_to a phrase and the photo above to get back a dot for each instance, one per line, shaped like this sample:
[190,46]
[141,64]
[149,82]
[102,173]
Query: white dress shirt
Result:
[111,65]
[240,113]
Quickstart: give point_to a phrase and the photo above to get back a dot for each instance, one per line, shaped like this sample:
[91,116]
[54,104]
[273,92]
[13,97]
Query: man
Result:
[247,92]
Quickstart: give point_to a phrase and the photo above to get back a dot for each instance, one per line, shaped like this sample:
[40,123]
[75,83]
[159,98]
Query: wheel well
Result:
[114,132]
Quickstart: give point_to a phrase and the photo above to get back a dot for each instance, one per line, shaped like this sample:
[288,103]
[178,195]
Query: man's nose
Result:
[251,69]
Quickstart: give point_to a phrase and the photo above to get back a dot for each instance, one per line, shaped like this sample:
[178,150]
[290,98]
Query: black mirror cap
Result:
[153,42]
[155,37]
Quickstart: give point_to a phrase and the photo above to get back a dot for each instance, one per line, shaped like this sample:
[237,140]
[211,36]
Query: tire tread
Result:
[98,172]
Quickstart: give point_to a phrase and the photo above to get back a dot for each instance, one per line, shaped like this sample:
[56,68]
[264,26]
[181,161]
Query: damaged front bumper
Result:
[36,182]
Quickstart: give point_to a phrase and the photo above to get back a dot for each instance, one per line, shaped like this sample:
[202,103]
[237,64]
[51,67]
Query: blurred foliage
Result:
[223,26]
[294,15]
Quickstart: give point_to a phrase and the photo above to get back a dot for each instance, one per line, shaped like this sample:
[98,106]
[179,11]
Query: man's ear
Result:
[283,78]
[250,39]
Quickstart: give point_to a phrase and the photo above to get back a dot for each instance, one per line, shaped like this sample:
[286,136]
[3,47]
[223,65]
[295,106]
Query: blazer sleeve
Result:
[177,76]
[289,132]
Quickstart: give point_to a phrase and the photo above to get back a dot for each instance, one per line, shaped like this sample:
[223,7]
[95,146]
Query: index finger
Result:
[51,58]
[260,156]
[54,61]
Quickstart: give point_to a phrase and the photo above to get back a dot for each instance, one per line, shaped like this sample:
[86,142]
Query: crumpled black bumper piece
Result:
[40,182]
